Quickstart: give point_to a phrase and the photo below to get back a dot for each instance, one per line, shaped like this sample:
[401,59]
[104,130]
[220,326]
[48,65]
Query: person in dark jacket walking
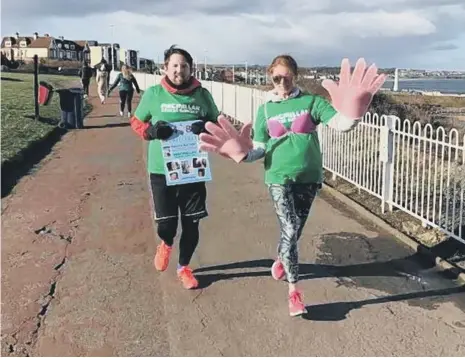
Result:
[127,82]
[86,74]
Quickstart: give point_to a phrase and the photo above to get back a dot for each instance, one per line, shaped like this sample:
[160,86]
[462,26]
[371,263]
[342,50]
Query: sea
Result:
[449,86]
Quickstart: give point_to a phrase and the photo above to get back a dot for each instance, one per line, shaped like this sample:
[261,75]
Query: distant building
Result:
[23,48]
[130,57]
[110,52]
[145,63]
[86,45]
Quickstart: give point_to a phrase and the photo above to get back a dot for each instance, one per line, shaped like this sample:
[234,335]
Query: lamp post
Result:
[205,65]
[195,70]
[112,49]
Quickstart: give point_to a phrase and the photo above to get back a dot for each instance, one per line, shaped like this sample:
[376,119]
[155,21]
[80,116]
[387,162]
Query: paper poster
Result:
[184,163]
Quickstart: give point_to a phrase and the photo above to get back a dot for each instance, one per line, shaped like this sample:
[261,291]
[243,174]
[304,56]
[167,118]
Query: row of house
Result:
[46,47]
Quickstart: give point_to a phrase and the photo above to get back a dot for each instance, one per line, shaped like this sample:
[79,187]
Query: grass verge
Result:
[25,141]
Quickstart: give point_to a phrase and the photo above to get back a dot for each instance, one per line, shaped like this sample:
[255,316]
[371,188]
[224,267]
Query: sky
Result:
[421,34]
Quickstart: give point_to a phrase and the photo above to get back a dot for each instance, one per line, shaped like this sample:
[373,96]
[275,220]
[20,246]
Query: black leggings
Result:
[189,237]
[85,85]
[125,96]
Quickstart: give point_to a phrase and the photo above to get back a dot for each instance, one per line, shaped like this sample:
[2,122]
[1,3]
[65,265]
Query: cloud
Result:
[444,47]
[389,32]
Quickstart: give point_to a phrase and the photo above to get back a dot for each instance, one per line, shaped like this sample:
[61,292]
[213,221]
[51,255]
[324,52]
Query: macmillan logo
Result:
[180,108]
[288,117]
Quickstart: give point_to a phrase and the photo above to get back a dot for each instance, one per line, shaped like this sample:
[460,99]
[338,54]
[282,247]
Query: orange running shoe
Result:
[162,257]
[187,278]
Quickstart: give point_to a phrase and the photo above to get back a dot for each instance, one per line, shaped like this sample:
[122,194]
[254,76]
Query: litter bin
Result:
[71,104]
[45,93]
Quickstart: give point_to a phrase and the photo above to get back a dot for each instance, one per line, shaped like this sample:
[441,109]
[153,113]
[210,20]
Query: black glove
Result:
[160,130]
[198,127]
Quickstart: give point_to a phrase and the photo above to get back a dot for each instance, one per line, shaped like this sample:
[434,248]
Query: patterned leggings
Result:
[292,203]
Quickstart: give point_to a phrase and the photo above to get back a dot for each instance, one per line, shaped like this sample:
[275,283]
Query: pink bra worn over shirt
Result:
[302,124]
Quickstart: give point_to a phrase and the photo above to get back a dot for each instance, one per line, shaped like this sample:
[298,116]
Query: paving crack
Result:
[390,310]
[49,230]
[203,315]
[204,321]
[46,300]
[23,340]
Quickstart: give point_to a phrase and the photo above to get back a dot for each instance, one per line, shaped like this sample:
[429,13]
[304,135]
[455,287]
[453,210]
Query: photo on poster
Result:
[186,167]
[174,176]
[166,151]
[173,165]
[199,162]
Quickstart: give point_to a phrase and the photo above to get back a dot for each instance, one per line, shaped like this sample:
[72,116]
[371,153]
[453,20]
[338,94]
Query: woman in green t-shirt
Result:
[179,97]
[285,136]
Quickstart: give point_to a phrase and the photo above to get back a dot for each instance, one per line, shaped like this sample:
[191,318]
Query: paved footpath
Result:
[77,275]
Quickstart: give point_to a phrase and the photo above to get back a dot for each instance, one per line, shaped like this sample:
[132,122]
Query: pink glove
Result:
[226,140]
[353,95]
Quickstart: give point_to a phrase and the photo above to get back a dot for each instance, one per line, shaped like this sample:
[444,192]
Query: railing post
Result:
[235,102]
[319,131]
[386,153]
[222,96]
[251,104]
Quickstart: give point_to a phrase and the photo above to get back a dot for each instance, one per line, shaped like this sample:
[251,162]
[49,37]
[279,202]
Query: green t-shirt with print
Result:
[159,104]
[296,157]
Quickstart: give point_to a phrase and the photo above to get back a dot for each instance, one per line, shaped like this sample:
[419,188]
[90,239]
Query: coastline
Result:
[391,79]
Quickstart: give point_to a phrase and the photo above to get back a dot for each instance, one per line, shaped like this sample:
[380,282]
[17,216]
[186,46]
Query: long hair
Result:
[126,71]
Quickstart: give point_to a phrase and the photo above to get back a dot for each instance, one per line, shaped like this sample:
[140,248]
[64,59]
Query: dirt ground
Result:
[77,275]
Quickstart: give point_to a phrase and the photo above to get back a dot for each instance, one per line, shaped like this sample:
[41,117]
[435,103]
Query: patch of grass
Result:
[442,101]
[17,103]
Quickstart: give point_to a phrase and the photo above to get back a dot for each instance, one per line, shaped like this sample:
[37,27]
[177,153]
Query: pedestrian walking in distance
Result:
[127,83]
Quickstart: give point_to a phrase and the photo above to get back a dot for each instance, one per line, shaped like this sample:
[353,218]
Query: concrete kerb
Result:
[442,264]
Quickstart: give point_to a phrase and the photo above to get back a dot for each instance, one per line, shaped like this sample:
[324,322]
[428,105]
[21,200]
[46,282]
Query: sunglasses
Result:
[278,78]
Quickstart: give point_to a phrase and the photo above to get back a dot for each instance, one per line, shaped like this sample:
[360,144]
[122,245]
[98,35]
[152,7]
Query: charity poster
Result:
[184,163]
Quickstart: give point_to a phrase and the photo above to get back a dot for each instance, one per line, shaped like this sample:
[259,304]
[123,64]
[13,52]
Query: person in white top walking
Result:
[102,82]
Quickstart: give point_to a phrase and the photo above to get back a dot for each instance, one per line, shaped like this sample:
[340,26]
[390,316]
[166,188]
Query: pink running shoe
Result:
[277,270]
[296,306]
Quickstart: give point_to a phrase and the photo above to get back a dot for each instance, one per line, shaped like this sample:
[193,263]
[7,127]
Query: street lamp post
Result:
[112,49]
[196,67]
[205,65]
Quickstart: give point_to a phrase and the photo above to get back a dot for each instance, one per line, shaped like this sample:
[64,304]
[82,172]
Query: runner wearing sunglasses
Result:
[285,135]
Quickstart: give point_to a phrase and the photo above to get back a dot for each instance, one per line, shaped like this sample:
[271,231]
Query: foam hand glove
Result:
[353,95]
[226,140]
[160,130]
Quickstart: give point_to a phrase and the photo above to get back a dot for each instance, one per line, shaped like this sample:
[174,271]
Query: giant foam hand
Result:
[353,94]
[225,140]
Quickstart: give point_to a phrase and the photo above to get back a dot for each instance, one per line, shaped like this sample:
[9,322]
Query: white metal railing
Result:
[412,167]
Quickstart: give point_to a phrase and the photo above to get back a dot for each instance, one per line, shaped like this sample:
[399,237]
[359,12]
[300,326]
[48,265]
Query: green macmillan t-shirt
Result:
[159,104]
[295,158]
